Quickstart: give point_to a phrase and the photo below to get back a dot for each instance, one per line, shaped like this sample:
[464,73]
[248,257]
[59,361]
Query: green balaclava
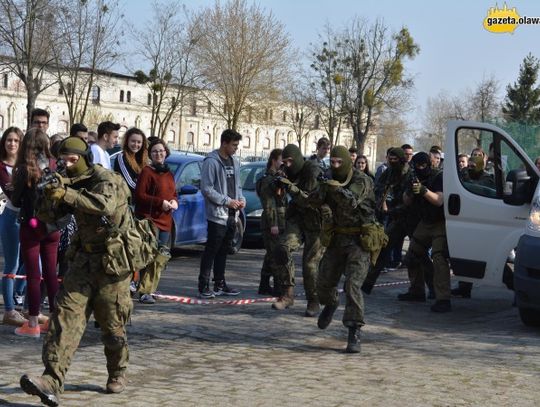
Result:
[478,164]
[292,151]
[342,172]
[399,153]
[76,145]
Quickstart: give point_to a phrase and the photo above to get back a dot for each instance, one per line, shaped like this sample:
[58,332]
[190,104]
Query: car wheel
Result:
[236,243]
[530,316]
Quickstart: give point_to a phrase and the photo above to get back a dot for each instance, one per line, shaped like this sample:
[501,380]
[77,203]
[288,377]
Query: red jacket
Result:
[152,189]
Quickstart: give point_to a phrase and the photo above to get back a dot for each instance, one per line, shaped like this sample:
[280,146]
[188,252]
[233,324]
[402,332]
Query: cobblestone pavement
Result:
[250,355]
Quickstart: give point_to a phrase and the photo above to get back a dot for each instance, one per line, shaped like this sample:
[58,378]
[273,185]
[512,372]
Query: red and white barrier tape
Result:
[246,301]
[21,277]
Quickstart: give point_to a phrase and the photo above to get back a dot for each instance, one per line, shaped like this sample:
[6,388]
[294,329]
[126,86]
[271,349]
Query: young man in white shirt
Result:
[107,138]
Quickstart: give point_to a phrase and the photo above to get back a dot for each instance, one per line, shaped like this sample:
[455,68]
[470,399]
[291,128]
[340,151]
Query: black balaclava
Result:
[399,153]
[418,159]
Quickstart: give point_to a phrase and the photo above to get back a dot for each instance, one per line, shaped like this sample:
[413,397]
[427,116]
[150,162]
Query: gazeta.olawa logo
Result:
[506,20]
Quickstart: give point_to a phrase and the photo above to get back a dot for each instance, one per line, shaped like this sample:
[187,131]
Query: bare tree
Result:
[26,37]
[242,53]
[439,110]
[167,47]
[327,81]
[485,102]
[375,77]
[88,41]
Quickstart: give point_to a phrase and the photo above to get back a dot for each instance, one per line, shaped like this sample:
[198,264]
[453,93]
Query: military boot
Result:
[286,300]
[264,286]
[353,342]
[116,384]
[36,386]
[312,308]
[326,316]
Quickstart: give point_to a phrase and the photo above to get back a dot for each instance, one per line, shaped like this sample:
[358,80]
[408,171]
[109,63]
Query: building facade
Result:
[121,99]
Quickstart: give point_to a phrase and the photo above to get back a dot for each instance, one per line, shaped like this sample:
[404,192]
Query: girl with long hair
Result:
[37,242]
[361,163]
[9,227]
[134,157]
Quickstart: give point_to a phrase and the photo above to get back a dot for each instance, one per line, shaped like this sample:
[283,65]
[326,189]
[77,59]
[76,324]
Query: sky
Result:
[456,52]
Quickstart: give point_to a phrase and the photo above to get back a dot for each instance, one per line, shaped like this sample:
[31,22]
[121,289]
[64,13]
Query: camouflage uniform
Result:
[274,204]
[96,282]
[303,225]
[352,206]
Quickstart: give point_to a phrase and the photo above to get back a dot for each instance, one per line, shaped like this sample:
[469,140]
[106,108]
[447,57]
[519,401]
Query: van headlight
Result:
[255,214]
[534,216]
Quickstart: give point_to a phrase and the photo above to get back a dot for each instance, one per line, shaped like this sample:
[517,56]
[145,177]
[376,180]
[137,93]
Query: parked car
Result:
[249,174]
[189,220]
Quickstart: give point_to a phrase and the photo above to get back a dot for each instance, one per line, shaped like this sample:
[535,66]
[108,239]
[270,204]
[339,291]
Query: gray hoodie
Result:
[214,187]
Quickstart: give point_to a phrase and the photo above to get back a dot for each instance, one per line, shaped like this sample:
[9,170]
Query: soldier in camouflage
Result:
[303,225]
[274,204]
[352,201]
[99,275]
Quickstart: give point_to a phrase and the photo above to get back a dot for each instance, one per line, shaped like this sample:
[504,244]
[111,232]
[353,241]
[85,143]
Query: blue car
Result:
[189,220]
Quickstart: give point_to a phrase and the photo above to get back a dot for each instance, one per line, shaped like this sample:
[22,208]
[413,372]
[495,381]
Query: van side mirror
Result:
[517,190]
[188,190]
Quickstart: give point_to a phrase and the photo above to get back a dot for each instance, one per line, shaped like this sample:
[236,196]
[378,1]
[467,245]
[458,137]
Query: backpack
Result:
[141,243]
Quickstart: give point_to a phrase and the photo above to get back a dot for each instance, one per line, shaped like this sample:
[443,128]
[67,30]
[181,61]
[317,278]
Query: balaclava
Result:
[399,153]
[292,151]
[342,172]
[76,145]
[419,159]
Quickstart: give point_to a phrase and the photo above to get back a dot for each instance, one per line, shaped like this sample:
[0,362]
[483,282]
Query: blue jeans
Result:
[9,235]
[164,237]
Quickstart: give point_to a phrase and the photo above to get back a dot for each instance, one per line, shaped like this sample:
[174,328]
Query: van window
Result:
[475,170]
[487,176]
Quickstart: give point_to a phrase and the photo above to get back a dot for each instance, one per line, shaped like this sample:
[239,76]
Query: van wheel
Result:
[530,316]
[236,243]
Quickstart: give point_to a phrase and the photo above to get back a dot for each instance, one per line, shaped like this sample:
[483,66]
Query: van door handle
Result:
[454,204]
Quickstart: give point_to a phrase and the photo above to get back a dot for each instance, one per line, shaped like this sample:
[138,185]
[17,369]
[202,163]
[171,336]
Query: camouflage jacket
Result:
[390,187]
[299,206]
[99,200]
[273,201]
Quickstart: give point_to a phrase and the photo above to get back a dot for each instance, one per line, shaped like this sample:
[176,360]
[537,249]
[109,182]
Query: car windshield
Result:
[249,176]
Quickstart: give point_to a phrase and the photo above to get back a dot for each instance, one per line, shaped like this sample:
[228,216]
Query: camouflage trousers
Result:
[86,289]
[428,235]
[352,262]
[270,268]
[290,241]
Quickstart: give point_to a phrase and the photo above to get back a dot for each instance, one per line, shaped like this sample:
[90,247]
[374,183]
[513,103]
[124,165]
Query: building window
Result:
[1,122]
[190,138]
[284,117]
[317,119]
[96,94]
[246,141]
[5,80]
[209,107]
[121,96]
[60,90]
[266,145]
[155,99]
[206,139]
[128,96]
[271,114]
[149,99]
[173,101]
[194,107]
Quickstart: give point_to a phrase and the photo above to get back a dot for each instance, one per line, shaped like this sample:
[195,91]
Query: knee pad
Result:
[113,342]
[281,255]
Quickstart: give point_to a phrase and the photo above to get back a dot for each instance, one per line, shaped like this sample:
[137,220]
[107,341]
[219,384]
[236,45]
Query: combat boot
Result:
[353,342]
[116,384]
[312,308]
[264,286]
[36,386]
[326,316]
[286,300]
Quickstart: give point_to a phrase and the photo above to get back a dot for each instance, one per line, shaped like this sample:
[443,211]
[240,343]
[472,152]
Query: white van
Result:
[484,224]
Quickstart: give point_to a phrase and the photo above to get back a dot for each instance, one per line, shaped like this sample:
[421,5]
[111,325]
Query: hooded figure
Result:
[76,145]
[342,172]
[421,159]
[292,151]
[399,153]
